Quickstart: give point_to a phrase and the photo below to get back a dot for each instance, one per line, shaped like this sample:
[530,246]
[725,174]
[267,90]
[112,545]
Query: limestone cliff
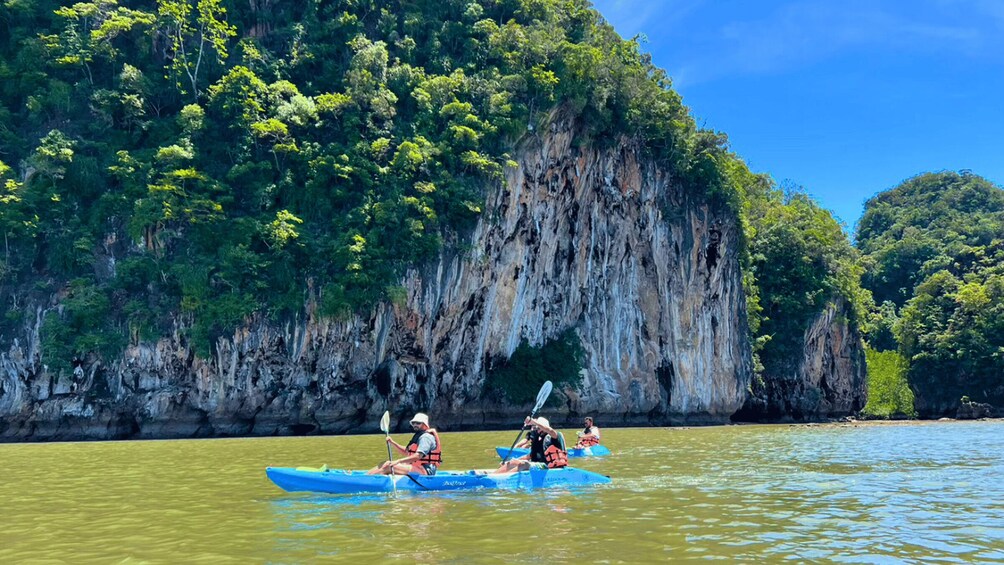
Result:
[578,236]
[827,382]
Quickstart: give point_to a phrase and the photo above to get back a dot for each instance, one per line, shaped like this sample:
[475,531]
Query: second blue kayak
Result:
[594,451]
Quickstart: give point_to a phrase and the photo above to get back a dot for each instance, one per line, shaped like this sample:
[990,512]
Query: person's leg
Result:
[405,468]
[399,469]
[507,467]
[514,465]
[380,469]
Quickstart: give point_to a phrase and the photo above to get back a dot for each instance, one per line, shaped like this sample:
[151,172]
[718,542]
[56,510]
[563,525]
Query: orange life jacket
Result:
[435,457]
[556,458]
[591,440]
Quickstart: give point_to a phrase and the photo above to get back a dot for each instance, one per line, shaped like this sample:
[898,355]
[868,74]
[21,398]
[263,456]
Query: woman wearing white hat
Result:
[547,449]
[423,453]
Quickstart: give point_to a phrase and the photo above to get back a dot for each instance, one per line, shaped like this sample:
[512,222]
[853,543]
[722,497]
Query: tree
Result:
[89,32]
[934,249]
[194,33]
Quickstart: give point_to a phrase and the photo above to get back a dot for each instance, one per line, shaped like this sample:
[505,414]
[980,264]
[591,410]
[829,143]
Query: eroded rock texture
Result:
[827,382]
[596,239]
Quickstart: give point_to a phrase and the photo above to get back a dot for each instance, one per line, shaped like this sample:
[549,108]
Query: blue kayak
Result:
[593,451]
[348,482]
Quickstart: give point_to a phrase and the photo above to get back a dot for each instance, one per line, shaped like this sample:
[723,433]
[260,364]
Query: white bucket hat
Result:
[543,422]
[420,418]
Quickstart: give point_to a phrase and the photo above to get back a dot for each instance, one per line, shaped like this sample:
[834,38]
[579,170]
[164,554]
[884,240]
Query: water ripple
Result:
[859,494]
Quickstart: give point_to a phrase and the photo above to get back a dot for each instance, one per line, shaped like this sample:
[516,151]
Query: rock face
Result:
[828,382]
[598,240]
[947,394]
[969,410]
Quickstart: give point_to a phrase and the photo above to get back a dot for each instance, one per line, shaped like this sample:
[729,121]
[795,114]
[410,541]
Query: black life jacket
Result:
[435,457]
[536,446]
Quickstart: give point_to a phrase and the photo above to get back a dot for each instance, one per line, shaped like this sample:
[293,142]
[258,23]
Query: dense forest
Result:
[187,165]
[235,153]
[933,249]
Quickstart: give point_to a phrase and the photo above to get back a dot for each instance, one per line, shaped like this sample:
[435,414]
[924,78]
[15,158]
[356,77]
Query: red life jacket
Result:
[555,458]
[591,440]
[435,457]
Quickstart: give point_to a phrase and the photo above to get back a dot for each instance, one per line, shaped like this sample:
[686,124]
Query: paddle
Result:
[385,428]
[545,391]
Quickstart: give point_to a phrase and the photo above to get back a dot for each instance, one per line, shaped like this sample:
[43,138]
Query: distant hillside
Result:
[934,255]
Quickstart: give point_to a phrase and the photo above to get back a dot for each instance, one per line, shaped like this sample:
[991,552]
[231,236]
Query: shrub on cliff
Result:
[889,394]
[801,260]
[519,378]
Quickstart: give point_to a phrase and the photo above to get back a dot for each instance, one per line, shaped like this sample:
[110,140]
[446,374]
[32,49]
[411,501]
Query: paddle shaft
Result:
[385,427]
[390,460]
[389,456]
[513,446]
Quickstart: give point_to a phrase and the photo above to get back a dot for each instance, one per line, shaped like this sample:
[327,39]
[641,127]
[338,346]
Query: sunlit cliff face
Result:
[579,235]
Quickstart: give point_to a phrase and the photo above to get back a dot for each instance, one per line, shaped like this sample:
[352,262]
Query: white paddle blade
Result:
[545,391]
[385,422]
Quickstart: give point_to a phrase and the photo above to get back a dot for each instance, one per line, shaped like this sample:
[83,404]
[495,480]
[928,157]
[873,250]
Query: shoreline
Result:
[838,423]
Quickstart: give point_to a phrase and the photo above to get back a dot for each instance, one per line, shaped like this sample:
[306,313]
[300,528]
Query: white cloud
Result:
[708,43]
[631,17]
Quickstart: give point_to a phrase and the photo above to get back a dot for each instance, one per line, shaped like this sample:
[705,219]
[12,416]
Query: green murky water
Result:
[890,493]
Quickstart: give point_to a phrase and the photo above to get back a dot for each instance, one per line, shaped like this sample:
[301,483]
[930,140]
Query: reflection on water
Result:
[885,493]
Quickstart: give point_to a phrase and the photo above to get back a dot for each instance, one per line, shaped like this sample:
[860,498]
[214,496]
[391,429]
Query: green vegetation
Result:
[889,394]
[802,261]
[934,256]
[935,221]
[202,163]
[227,153]
[520,377]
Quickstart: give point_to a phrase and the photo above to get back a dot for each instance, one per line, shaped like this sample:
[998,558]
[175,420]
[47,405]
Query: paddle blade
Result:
[545,391]
[385,422]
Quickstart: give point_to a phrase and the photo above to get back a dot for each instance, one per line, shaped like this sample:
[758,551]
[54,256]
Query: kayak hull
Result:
[593,451]
[350,482]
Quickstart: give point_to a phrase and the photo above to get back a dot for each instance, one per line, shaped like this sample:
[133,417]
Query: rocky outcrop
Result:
[599,240]
[828,382]
[969,410]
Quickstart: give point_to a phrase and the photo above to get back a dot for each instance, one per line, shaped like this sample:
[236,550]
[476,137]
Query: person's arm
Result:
[549,431]
[397,445]
[425,446]
[409,459]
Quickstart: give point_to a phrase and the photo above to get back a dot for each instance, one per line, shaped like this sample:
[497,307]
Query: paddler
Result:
[423,454]
[547,449]
[589,436]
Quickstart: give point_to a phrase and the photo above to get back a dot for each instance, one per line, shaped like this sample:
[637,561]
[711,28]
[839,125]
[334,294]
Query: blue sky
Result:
[845,99]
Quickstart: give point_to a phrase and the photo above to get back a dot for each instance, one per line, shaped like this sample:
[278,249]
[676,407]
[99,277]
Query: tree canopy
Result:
[934,256]
[204,161]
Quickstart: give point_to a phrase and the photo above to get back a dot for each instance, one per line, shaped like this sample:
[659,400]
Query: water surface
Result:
[923,492]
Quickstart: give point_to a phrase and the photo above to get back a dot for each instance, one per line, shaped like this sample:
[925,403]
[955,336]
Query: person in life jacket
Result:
[590,436]
[423,453]
[547,449]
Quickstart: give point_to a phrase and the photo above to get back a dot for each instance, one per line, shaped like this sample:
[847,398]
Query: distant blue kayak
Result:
[349,482]
[594,451]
